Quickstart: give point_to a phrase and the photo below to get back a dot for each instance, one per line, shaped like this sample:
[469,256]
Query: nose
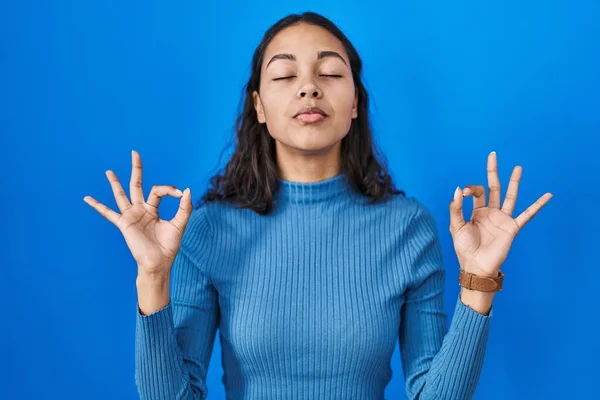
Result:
[309,89]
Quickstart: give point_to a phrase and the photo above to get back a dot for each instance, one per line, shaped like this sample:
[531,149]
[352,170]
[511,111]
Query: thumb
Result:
[182,217]
[457,220]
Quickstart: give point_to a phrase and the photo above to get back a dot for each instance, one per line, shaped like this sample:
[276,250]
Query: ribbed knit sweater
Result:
[310,301]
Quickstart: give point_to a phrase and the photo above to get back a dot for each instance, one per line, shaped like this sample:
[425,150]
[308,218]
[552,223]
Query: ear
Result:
[355,105]
[260,112]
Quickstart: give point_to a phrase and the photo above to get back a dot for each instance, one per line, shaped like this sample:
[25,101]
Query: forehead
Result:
[304,40]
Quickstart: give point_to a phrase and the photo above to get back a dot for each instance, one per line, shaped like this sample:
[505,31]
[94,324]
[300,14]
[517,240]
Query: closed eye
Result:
[323,75]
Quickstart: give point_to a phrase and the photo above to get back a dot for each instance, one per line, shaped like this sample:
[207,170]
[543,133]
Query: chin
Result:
[314,141]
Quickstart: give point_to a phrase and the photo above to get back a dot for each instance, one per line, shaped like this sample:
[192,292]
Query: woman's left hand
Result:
[482,244]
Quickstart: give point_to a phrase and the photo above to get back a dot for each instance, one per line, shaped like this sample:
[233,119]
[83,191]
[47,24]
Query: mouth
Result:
[310,115]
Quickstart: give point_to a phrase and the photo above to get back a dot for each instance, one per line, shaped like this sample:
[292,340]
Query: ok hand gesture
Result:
[482,244]
[153,242]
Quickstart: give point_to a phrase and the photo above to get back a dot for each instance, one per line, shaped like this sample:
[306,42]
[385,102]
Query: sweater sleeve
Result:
[174,344]
[438,363]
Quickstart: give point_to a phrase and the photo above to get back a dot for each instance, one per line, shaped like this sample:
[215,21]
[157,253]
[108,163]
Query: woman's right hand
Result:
[153,242]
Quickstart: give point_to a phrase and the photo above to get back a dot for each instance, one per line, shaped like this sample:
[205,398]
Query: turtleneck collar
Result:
[312,192]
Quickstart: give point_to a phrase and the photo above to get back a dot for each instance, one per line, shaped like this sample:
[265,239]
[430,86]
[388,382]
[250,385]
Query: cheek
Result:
[273,104]
[275,114]
[342,95]
[345,102]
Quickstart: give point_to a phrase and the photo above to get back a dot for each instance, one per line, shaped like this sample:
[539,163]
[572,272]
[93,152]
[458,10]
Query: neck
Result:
[293,192]
[305,167]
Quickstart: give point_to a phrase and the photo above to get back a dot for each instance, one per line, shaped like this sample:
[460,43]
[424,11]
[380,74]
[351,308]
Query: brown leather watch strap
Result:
[480,283]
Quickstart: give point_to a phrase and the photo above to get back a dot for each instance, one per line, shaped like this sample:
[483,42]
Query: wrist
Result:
[477,300]
[152,286]
[153,293]
[155,279]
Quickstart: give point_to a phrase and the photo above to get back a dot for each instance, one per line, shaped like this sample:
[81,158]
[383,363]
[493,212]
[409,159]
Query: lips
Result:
[310,114]
[310,118]
[311,110]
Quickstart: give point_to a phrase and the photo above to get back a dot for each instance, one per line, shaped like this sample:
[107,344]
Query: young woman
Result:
[304,255]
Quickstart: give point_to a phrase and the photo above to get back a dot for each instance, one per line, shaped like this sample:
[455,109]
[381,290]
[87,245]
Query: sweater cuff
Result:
[139,311]
[156,326]
[468,320]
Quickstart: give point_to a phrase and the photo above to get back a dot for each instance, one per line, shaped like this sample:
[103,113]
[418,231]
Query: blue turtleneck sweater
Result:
[310,302]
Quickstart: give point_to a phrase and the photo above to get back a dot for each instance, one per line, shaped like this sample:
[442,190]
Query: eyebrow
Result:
[320,55]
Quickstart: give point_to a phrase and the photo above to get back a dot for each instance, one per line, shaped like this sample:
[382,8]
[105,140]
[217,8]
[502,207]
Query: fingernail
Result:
[179,192]
[456,192]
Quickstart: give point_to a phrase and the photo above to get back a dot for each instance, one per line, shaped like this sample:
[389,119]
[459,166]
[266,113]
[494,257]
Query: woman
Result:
[304,254]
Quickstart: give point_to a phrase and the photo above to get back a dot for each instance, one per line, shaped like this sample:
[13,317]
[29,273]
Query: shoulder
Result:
[197,236]
[208,221]
[198,222]
[412,222]
[408,211]
[420,239]
[205,225]
[204,216]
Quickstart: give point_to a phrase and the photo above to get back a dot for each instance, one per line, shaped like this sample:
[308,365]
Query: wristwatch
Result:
[480,283]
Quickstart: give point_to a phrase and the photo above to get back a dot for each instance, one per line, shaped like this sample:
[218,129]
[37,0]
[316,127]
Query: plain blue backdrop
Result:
[84,83]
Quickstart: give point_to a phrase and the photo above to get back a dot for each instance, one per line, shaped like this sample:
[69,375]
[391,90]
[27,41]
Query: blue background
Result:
[83,83]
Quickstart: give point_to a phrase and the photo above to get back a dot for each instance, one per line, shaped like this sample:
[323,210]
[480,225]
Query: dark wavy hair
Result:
[250,178]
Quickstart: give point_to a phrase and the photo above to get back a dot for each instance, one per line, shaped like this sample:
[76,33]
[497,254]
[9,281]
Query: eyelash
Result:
[290,77]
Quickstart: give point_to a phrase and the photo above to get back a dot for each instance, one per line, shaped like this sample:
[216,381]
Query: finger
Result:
[530,212]
[457,220]
[160,191]
[135,184]
[182,217]
[508,207]
[493,181]
[102,209]
[478,192]
[120,196]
